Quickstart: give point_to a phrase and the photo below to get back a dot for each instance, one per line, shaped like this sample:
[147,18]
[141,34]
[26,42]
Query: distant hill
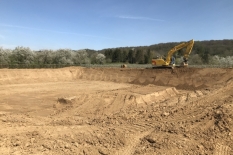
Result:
[214,47]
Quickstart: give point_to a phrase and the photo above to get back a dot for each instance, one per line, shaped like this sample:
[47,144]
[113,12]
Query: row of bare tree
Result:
[24,55]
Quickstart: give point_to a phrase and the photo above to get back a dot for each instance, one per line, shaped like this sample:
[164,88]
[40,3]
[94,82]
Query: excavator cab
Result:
[173,60]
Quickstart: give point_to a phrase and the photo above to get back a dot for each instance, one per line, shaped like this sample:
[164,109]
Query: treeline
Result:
[24,56]
[128,56]
[204,52]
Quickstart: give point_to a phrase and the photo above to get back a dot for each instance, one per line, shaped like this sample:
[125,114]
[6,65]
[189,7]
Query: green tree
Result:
[108,53]
[124,56]
[116,57]
[205,56]
[4,56]
[148,56]
[131,56]
[22,55]
[179,53]
[44,57]
[194,60]
[100,58]
[63,56]
[139,57]
[81,57]
[199,50]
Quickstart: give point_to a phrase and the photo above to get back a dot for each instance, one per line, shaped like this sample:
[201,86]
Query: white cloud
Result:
[139,18]
[31,28]
[62,32]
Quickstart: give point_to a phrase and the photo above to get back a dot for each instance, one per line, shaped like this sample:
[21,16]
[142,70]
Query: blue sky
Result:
[99,24]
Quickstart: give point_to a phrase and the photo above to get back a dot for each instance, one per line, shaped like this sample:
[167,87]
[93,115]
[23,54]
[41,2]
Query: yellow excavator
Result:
[169,61]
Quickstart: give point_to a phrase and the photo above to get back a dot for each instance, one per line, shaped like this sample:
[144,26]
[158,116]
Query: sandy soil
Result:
[91,111]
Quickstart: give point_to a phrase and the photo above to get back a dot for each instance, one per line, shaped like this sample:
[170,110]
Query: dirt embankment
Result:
[180,78]
[26,76]
[116,111]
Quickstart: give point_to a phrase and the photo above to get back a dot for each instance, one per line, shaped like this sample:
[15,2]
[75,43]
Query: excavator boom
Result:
[189,46]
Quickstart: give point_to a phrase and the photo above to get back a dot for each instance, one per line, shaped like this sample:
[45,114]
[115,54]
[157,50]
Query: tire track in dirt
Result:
[222,150]
[132,142]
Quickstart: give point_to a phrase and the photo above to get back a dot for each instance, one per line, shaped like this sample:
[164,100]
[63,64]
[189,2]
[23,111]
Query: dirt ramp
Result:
[154,94]
[120,100]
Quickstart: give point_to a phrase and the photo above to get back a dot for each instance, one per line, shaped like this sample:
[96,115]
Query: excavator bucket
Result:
[183,64]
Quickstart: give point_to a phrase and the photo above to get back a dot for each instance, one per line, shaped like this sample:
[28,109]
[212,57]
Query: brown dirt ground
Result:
[116,111]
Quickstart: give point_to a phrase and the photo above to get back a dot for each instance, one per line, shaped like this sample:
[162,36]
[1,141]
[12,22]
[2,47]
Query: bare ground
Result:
[91,111]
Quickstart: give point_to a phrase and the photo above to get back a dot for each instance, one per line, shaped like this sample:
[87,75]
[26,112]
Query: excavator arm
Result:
[189,49]
[189,46]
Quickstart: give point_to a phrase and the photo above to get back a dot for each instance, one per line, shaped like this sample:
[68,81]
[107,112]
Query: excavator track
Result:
[163,67]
